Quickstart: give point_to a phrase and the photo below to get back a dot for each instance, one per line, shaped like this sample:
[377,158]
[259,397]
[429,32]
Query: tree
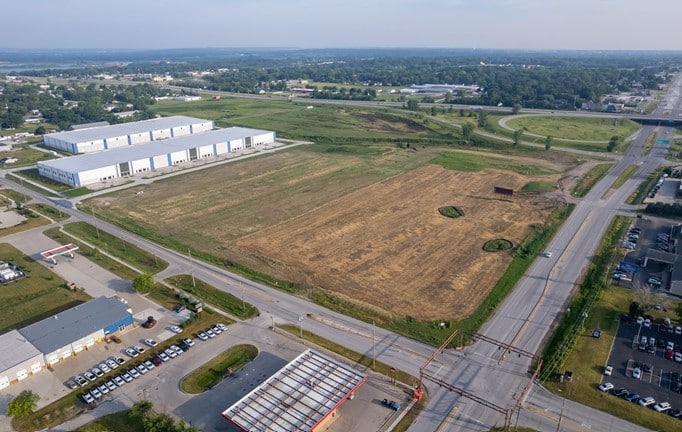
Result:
[482,119]
[434,112]
[636,309]
[23,404]
[40,130]
[516,108]
[548,142]
[412,105]
[613,143]
[468,130]
[143,283]
[518,134]
[461,112]
[678,311]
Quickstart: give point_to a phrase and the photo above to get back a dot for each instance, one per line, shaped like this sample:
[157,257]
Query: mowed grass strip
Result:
[213,296]
[213,372]
[624,176]
[351,355]
[116,422]
[94,255]
[539,187]
[466,161]
[33,175]
[49,211]
[587,181]
[575,128]
[587,361]
[26,155]
[140,259]
[33,298]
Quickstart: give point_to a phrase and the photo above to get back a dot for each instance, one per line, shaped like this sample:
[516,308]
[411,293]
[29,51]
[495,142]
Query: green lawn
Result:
[213,296]
[464,161]
[117,422]
[575,128]
[32,174]
[26,155]
[539,187]
[624,176]
[164,296]
[587,181]
[49,211]
[136,257]
[94,255]
[38,296]
[214,371]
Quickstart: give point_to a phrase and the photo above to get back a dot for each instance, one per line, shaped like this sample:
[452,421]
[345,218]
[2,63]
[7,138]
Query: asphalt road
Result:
[522,320]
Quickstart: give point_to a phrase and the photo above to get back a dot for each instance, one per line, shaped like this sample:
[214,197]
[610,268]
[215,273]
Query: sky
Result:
[506,24]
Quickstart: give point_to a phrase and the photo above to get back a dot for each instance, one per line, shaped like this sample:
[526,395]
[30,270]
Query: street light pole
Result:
[191,267]
[374,356]
[300,324]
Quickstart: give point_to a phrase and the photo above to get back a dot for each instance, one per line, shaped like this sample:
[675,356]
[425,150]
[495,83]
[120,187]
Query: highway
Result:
[523,319]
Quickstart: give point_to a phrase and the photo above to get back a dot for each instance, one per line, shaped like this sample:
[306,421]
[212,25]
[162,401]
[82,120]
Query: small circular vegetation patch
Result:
[451,211]
[497,245]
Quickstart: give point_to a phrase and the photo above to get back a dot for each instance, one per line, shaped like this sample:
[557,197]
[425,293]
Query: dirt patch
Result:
[387,246]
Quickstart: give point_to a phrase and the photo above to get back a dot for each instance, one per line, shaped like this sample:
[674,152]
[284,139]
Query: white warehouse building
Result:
[96,139]
[82,170]
[19,359]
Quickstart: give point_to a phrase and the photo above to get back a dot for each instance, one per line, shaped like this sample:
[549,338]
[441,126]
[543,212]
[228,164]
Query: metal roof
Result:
[66,327]
[88,125]
[296,398]
[88,161]
[16,349]
[661,256]
[124,129]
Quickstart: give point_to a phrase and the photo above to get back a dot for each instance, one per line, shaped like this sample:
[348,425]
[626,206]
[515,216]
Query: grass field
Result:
[588,358]
[94,255]
[31,299]
[471,161]
[291,120]
[32,174]
[117,422]
[25,155]
[575,128]
[624,176]
[133,255]
[205,377]
[49,211]
[213,296]
[585,183]
[539,187]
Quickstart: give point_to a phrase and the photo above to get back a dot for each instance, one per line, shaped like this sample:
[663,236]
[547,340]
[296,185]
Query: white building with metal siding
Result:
[19,358]
[114,136]
[91,168]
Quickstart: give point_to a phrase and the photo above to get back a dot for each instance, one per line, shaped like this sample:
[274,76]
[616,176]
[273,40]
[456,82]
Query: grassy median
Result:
[213,372]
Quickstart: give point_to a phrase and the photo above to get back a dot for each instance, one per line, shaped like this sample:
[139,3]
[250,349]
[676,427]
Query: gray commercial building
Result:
[19,358]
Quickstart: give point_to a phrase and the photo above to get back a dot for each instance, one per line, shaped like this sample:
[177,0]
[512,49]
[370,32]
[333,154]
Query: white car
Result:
[662,406]
[647,323]
[637,373]
[96,393]
[547,254]
[678,330]
[132,353]
[202,336]
[87,398]
[177,349]
[608,370]
[151,342]
[678,357]
[188,341]
[175,329]
[606,386]
[170,353]
[134,373]
[647,401]
[112,364]
[640,320]
[126,377]
[222,326]
[104,368]
[149,365]
[139,349]
[163,356]
[118,381]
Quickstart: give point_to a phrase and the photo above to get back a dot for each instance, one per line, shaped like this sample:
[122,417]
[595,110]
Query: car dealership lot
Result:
[655,379]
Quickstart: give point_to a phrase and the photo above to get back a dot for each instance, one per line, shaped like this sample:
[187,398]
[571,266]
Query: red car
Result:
[669,354]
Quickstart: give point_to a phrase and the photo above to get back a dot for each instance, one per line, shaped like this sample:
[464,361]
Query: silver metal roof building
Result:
[301,396]
[88,125]
[90,161]
[16,349]
[62,329]
[103,166]
[100,138]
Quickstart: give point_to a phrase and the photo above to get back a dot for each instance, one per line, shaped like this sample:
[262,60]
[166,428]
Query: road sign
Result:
[663,141]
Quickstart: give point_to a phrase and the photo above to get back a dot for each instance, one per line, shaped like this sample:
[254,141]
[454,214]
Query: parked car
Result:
[149,365]
[97,372]
[87,398]
[151,342]
[606,386]
[221,326]
[217,330]
[179,308]
[104,368]
[118,359]
[90,376]
[637,373]
[139,349]
[112,364]
[678,357]
[110,385]
[647,323]
[175,329]
[188,341]
[177,349]
[662,406]
[131,352]
[640,320]
[678,330]
[134,373]
[126,377]
[647,401]
[210,333]
[80,380]
[163,356]
[95,393]
[632,397]
[103,389]
[156,360]
[647,367]
[118,381]
[141,369]
[171,353]
[71,384]
[202,336]
[395,406]
[183,346]
[676,413]
[608,370]
[620,392]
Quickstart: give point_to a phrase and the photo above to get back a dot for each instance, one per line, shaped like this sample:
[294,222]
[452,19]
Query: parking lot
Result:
[656,369]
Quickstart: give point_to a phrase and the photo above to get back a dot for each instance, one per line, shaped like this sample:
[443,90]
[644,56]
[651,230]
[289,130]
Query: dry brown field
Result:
[387,246]
[365,227]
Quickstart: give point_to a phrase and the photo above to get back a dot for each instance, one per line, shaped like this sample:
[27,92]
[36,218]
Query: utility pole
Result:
[191,267]
[300,324]
[92,212]
[374,356]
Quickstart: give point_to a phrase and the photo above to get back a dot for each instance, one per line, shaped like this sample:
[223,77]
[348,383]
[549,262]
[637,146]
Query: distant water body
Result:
[9,68]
